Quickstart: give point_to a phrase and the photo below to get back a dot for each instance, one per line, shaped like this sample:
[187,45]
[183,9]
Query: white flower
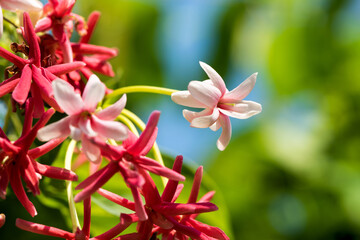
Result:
[83,122]
[218,103]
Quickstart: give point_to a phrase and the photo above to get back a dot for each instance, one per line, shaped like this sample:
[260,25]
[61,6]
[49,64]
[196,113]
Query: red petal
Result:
[125,221]
[196,185]
[45,148]
[117,199]
[174,209]
[28,173]
[171,185]
[55,172]
[91,23]
[43,229]
[34,49]
[64,68]
[211,231]
[18,61]
[22,89]
[9,85]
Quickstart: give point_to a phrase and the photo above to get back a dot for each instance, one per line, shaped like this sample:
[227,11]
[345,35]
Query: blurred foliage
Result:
[292,172]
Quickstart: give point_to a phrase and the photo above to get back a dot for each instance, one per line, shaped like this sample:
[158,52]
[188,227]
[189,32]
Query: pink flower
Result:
[219,104]
[17,161]
[30,76]
[130,160]
[83,121]
[23,5]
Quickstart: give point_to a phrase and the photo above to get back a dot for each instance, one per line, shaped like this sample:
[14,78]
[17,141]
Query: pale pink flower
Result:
[23,5]
[219,104]
[83,121]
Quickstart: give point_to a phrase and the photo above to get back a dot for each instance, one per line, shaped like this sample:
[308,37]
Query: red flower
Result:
[18,161]
[167,218]
[30,76]
[129,159]
[79,234]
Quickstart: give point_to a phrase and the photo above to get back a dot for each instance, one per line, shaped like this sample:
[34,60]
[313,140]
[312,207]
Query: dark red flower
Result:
[31,76]
[17,160]
[130,160]
[167,218]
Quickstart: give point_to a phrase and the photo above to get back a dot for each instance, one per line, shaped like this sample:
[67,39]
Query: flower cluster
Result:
[50,75]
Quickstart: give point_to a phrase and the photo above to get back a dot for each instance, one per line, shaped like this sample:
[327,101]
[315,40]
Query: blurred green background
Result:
[291,172]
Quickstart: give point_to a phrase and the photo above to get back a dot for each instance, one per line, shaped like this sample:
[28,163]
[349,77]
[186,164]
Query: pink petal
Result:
[196,185]
[34,48]
[9,85]
[57,129]
[216,126]
[242,110]
[21,90]
[85,126]
[84,48]
[225,136]
[171,185]
[147,137]
[60,69]
[43,229]
[214,77]
[117,199]
[91,151]
[66,97]
[205,93]
[186,99]
[1,22]
[207,120]
[91,23]
[139,206]
[109,129]
[43,24]
[111,112]
[93,93]
[241,91]
[23,5]
[155,167]
[213,232]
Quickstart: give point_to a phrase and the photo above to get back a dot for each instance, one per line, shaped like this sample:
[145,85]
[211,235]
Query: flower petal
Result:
[91,151]
[109,129]
[66,97]
[43,229]
[55,130]
[241,91]
[22,89]
[242,110]
[214,77]
[225,136]
[205,93]
[207,120]
[184,98]
[24,5]
[93,93]
[111,112]
[85,127]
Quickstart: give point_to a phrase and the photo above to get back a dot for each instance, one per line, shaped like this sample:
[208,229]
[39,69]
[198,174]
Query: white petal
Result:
[75,133]
[216,126]
[92,152]
[207,120]
[66,97]
[109,129]
[85,126]
[205,93]
[225,136]
[184,98]
[111,112]
[214,77]
[242,110]
[24,5]
[241,91]
[55,130]
[93,93]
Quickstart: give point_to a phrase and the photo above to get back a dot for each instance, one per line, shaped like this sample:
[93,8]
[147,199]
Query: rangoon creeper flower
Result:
[23,5]
[83,122]
[219,104]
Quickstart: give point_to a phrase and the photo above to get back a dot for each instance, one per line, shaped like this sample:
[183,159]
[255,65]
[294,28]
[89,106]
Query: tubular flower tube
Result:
[18,161]
[167,218]
[31,76]
[129,159]
[219,104]
[83,122]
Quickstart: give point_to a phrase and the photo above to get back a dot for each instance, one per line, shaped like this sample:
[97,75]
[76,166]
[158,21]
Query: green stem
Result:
[7,116]
[140,88]
[68,158]
[129,124]
[157,154]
